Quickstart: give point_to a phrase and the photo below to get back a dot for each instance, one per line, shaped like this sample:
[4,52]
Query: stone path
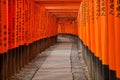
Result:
[59,62]
[57,66]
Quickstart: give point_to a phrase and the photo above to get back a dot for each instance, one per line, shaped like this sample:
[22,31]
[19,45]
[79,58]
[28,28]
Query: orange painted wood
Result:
[63,10]
[96,29]
[61,4]
[91,16]
[117,35]
[104,31]
[10,25]
[57,1]
[99,32]
[4,26]
[67,27]
[87,23]
[111,35]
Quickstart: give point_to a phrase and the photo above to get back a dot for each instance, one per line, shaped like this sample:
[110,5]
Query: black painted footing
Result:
[105,72]
[100,70]
[97,68]
[1,67]
[112,75]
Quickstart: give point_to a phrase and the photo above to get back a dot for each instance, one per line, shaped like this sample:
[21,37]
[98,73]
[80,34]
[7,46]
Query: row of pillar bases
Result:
[97,70]
[13,61]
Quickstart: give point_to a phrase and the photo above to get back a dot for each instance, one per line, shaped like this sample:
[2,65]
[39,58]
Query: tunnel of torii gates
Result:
[27,27]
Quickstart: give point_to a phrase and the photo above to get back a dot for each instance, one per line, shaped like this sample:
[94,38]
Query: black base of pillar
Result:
[112,75]
[105,72]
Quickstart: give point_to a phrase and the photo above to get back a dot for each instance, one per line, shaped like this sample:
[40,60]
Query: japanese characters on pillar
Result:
[84,22]
[3,26]
[16,23]
[26,22]
[93,28]
[96,30]
[99,32]
[111,34]
[117,35]
[28,36]
[104,31]
[31,20]
[19,23]
[89,35]
[23,22]
[10,24]
[81,21]
[91,19]
[87,24]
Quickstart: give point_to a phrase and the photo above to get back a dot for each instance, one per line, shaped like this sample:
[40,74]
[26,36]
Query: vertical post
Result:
[111,38]
[104,39]
[117,36]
